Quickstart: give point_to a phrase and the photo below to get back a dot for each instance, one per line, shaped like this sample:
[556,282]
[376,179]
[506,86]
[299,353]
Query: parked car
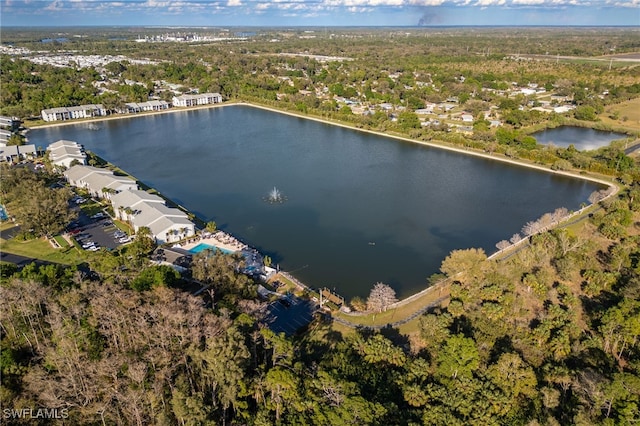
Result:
[98,215]
[88,244]
[124,240]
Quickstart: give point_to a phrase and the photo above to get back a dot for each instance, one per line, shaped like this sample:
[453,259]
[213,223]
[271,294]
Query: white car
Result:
[124,240]
[88,244]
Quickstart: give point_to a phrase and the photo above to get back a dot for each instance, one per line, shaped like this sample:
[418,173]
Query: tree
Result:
[513,376]
[465,264]
[155,276]
[458,358]
[211,227]
[15,139]
[381,297]
[282,387]
[378,349]
[140,248]
[220,271]
[408,120]
[39,208]
[504,244]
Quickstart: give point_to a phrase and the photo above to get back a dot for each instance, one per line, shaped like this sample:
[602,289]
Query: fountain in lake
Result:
[275,196]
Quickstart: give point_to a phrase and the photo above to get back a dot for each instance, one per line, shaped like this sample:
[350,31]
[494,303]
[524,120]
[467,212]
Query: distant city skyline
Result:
[209,13]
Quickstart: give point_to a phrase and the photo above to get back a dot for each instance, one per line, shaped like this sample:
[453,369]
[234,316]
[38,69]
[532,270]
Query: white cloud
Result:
[55,5]
[333,11]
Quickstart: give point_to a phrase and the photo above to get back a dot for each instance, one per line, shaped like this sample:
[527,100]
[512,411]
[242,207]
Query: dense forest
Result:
[546,336]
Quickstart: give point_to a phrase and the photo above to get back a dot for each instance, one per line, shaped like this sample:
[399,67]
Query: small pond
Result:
[582,138]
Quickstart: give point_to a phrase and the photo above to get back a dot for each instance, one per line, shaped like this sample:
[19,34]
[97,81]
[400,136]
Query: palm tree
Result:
[211,227]
[129,213]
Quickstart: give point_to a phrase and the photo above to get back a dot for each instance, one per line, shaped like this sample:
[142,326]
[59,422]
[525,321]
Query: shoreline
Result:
[48,124]
[446,147]
[436,145]
[235,245]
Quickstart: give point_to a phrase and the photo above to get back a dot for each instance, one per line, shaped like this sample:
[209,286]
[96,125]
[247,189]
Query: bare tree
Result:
[381,297]
[531,228]
[597,196]
[545,220]
[559,214]
[501,245]
[515,238]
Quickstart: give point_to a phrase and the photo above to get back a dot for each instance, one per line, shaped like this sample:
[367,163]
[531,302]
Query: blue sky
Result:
[288,13]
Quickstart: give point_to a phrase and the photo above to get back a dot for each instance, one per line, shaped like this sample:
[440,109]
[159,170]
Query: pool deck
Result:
[219,239]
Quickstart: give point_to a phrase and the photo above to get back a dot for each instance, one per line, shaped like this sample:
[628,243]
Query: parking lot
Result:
[96,231]
[289,315]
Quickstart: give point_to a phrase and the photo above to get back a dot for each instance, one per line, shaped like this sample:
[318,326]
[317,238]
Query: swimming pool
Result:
[202,246]
[3,213]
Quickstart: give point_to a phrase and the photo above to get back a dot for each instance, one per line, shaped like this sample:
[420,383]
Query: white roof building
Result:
[9,122]
[143,209]
[132,200]
[74,112]
[166,224]
[5,135]
[135,107]
[15,152]
[63,153]
[99,182]
[194,100]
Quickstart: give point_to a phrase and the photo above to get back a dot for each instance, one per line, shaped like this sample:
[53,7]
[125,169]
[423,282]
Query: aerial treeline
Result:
[380,68]
[34,202]
[425,67]
[548,336]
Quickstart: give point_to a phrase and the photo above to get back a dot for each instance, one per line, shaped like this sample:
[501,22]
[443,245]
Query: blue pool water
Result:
[3,213]
[203,246]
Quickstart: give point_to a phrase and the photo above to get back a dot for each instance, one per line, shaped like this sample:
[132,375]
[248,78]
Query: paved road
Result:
[9,233]
[632,148]
[20,261]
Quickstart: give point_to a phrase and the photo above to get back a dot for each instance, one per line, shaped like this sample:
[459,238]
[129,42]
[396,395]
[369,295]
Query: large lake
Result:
[581,138]
[361,208]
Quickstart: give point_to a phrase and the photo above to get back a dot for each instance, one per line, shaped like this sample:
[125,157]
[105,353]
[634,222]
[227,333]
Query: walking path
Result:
[405,320]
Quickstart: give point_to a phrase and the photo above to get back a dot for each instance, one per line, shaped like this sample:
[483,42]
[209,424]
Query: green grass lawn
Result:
[61,241]
[41,249]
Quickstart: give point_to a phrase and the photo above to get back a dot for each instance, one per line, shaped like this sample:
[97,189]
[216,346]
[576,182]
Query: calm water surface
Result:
[582,138]
[360,208]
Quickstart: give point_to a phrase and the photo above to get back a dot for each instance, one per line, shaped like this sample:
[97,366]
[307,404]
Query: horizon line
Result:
[325,26]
